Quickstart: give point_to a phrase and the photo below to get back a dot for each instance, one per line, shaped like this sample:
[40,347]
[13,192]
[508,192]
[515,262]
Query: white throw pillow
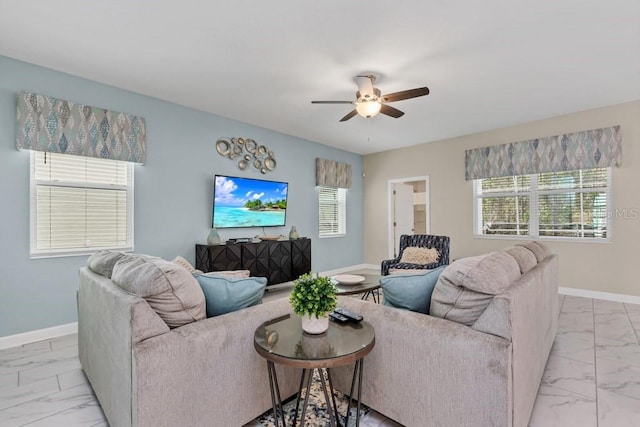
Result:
[416,255]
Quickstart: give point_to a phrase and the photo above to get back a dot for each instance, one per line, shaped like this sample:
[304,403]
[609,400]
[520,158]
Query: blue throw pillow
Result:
[410,292]
[224,295]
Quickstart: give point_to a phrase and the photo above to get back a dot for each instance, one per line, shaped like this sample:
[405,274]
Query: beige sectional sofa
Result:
[431,371]
[204,373]
[476,361]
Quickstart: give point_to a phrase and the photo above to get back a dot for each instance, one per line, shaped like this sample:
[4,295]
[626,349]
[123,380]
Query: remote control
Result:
[338,317]
[349,314]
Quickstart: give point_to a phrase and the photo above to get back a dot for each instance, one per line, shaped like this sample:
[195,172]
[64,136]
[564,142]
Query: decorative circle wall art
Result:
[249,151]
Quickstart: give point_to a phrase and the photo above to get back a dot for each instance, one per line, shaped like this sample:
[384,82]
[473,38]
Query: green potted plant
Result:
[313,298]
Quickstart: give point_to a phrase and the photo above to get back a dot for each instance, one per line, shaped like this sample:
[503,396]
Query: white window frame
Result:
[77,251]
[340,205]
[534,194]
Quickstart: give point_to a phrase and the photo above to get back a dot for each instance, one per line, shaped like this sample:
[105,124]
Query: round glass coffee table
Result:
[282,341]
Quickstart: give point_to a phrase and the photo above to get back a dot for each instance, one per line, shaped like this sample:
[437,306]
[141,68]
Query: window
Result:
[573,204]
[332,214]
[80,204]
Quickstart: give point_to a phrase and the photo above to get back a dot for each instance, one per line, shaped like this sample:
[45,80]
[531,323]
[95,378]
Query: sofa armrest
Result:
[533,318]
[212,370]
[110,321]
[425,370]
[386,265]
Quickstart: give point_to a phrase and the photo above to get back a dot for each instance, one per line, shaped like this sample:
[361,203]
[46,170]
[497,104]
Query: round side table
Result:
[370,286]
[282,341]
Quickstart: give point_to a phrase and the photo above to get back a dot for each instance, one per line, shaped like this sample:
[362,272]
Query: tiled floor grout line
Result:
[635,331]
[54,414]
[568,390]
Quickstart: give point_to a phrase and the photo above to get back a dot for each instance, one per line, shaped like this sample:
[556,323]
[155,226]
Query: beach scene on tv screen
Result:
[244,202]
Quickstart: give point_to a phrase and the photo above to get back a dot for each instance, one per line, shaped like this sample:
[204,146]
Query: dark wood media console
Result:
[279,261]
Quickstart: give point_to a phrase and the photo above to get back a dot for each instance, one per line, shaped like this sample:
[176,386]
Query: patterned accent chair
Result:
[441,243]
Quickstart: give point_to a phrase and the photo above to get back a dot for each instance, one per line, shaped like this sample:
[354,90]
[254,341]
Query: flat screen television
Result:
[247,202]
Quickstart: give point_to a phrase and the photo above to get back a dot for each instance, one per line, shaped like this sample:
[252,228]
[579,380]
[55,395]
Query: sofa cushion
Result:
[524,257]
[410,292]
[225,294]
[537,250]
[102,262]
[182,262]
[416,255]
[168,288]
[467,286]
[545,249]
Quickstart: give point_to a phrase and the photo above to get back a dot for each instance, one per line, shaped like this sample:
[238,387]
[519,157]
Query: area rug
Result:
[316,415]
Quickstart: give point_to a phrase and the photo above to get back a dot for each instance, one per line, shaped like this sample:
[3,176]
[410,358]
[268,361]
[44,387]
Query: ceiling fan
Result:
[370,102]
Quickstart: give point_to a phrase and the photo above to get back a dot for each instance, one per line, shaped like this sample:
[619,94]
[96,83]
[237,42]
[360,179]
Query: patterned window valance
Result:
[596,148]
[333,174]
[49,124]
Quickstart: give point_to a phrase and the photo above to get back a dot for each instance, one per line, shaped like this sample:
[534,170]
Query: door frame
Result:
[390,183]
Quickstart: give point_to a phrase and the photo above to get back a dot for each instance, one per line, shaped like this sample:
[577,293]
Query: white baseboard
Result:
[607,296]
[38,335]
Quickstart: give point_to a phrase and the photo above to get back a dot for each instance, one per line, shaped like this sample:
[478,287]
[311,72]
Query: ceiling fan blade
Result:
[365,85]
[405,94]
[390,111]
[332,102]
[348,116]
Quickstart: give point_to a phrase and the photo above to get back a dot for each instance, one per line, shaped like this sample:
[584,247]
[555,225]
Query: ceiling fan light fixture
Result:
[368,108]
[369,101]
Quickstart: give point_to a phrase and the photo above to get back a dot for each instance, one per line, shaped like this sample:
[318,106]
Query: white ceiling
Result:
[488,64]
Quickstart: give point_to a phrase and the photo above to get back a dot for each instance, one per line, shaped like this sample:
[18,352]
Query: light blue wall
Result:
[173,192]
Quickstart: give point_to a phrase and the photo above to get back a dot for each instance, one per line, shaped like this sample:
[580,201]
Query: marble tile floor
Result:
[592,377]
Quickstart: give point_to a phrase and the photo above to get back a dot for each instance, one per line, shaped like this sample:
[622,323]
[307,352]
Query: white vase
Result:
[315,325]
[213,238]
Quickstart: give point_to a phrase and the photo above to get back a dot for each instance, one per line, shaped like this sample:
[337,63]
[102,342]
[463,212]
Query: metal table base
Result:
[305,381]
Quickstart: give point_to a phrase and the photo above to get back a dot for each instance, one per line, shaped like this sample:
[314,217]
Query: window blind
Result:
[566,204]
[504,205]
[331,202]
[573,203]
[80,204]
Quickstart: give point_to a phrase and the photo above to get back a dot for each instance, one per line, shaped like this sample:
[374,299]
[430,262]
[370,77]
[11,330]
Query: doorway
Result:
[408,209]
